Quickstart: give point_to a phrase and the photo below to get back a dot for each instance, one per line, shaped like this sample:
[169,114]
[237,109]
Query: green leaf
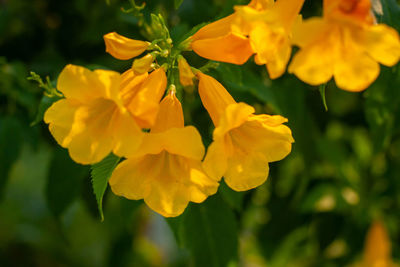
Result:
[210,233]
[233,198]
[101,173]
[391,13]
[10,147]
[44,104]
[178,3]
[64,181]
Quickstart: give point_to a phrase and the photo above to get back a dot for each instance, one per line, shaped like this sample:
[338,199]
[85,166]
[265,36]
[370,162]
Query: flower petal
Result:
[234,116]
[122,47]
[355,72]
[201,186]
[231,48]
[79,83]
[216,161]
[246,172]
[185,142]
[145,104]
[127,135]
[214,96]
[60,116]
[170,114]
[382,43]
[313,64]
[215,29]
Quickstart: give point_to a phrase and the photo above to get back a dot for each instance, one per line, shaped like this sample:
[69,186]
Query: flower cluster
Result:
[134,116]
[346,43]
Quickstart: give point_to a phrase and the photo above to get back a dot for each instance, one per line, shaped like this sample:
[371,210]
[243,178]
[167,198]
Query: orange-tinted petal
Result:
[377,251]
[215,29]
[230,48]
[170,114]
[214,96]
[145,104]
[122,47]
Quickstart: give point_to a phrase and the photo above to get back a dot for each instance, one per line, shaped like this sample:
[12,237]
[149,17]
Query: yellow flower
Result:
[94,118]
[263,28]
[346,44]
[216,41]
[377,251]
[166,170]
[268,25]
[185,73]
[122,47]
[243,143]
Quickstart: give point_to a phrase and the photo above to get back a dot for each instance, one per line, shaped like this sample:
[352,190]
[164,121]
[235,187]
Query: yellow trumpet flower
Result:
[263,28]
[346,43]
[243,143]
[166,170]
[97,115]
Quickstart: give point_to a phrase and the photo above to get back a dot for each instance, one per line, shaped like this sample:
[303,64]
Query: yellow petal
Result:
[288,10]
[132,177]
[201,186]
[79,83]
[274,139]
[272,47]
[377,246]
[355,72]
[230,48]
[166,182]
[234,116]
[122,47]
[142,65]
[130,85]
[246,172]
[309,30]
[313,64]
[186,75]
[127,135]
[216,160]
[170,114]
[214,96]
[91,133]
[145,104]
[261,4]
[382,43]
[60,116]
[180,141]
[215,29]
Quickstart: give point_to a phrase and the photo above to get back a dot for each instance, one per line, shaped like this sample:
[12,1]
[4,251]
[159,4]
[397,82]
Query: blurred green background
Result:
[314,210]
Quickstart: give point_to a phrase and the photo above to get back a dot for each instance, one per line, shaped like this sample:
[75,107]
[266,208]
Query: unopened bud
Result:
[185,72]
[142,65]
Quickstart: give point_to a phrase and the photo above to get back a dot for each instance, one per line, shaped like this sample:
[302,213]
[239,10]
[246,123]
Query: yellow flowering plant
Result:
[213,130]
[103,111]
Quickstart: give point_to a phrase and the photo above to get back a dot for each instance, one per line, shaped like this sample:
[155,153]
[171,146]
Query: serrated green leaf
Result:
[64,181]
[178,3]
[210,233]
[101,173]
